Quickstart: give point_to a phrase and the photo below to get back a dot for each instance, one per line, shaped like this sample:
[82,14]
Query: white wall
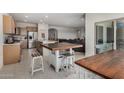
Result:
[65,32]
[91,19]
[1,40]
[42,29]
[81,33]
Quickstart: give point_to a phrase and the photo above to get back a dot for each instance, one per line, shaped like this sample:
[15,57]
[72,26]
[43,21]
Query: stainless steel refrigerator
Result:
[32,38]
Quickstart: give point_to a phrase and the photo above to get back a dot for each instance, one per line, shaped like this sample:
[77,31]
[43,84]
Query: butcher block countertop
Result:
[109,64]
[61,46]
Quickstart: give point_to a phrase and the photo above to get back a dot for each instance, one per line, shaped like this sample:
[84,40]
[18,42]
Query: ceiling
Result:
[57,19]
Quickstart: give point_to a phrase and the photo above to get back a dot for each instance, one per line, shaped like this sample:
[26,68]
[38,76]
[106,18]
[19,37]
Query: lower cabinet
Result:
[11,53]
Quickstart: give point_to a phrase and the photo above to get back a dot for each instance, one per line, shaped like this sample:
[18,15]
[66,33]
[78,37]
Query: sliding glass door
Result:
[104,36]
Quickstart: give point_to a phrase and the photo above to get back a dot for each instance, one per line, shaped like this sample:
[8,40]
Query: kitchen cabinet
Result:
[18,31]
[32,29]
[23,31]
[8,25]
[11,53]
[24,44]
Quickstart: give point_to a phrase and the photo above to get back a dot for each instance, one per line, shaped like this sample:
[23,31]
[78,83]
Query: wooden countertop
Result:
[61,46]
[48,42]
[109,64]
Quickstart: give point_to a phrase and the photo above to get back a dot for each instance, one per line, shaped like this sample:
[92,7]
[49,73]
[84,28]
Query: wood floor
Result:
[109,64]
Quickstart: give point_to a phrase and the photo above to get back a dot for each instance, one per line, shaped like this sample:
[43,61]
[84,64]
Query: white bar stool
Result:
[68,61]
[64,64]
[37,62]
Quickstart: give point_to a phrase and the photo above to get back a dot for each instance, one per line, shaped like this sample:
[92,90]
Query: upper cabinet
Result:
[8,25]
[32,29]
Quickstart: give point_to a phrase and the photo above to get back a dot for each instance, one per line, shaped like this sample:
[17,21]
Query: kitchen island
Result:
[108,65]
[54,56]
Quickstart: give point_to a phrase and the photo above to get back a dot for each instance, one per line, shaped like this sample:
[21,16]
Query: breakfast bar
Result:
[56,48]
[108,65]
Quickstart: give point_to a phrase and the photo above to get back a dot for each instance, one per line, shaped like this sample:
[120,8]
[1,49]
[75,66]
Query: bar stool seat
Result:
[37,62]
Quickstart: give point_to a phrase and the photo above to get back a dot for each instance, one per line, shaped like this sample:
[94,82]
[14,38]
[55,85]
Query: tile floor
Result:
[22,70]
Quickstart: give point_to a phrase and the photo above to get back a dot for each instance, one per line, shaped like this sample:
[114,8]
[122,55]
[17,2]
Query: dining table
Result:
[109,64]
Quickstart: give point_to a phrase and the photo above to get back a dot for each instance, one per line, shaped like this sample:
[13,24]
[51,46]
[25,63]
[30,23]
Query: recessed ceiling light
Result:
[46,16]
[26,16]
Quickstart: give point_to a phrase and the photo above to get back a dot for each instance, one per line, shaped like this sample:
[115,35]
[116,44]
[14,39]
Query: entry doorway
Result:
[53,34]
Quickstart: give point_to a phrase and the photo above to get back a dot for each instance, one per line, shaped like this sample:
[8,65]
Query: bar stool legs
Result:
[68,62]
[71,61]
[37,64]
[64,63]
